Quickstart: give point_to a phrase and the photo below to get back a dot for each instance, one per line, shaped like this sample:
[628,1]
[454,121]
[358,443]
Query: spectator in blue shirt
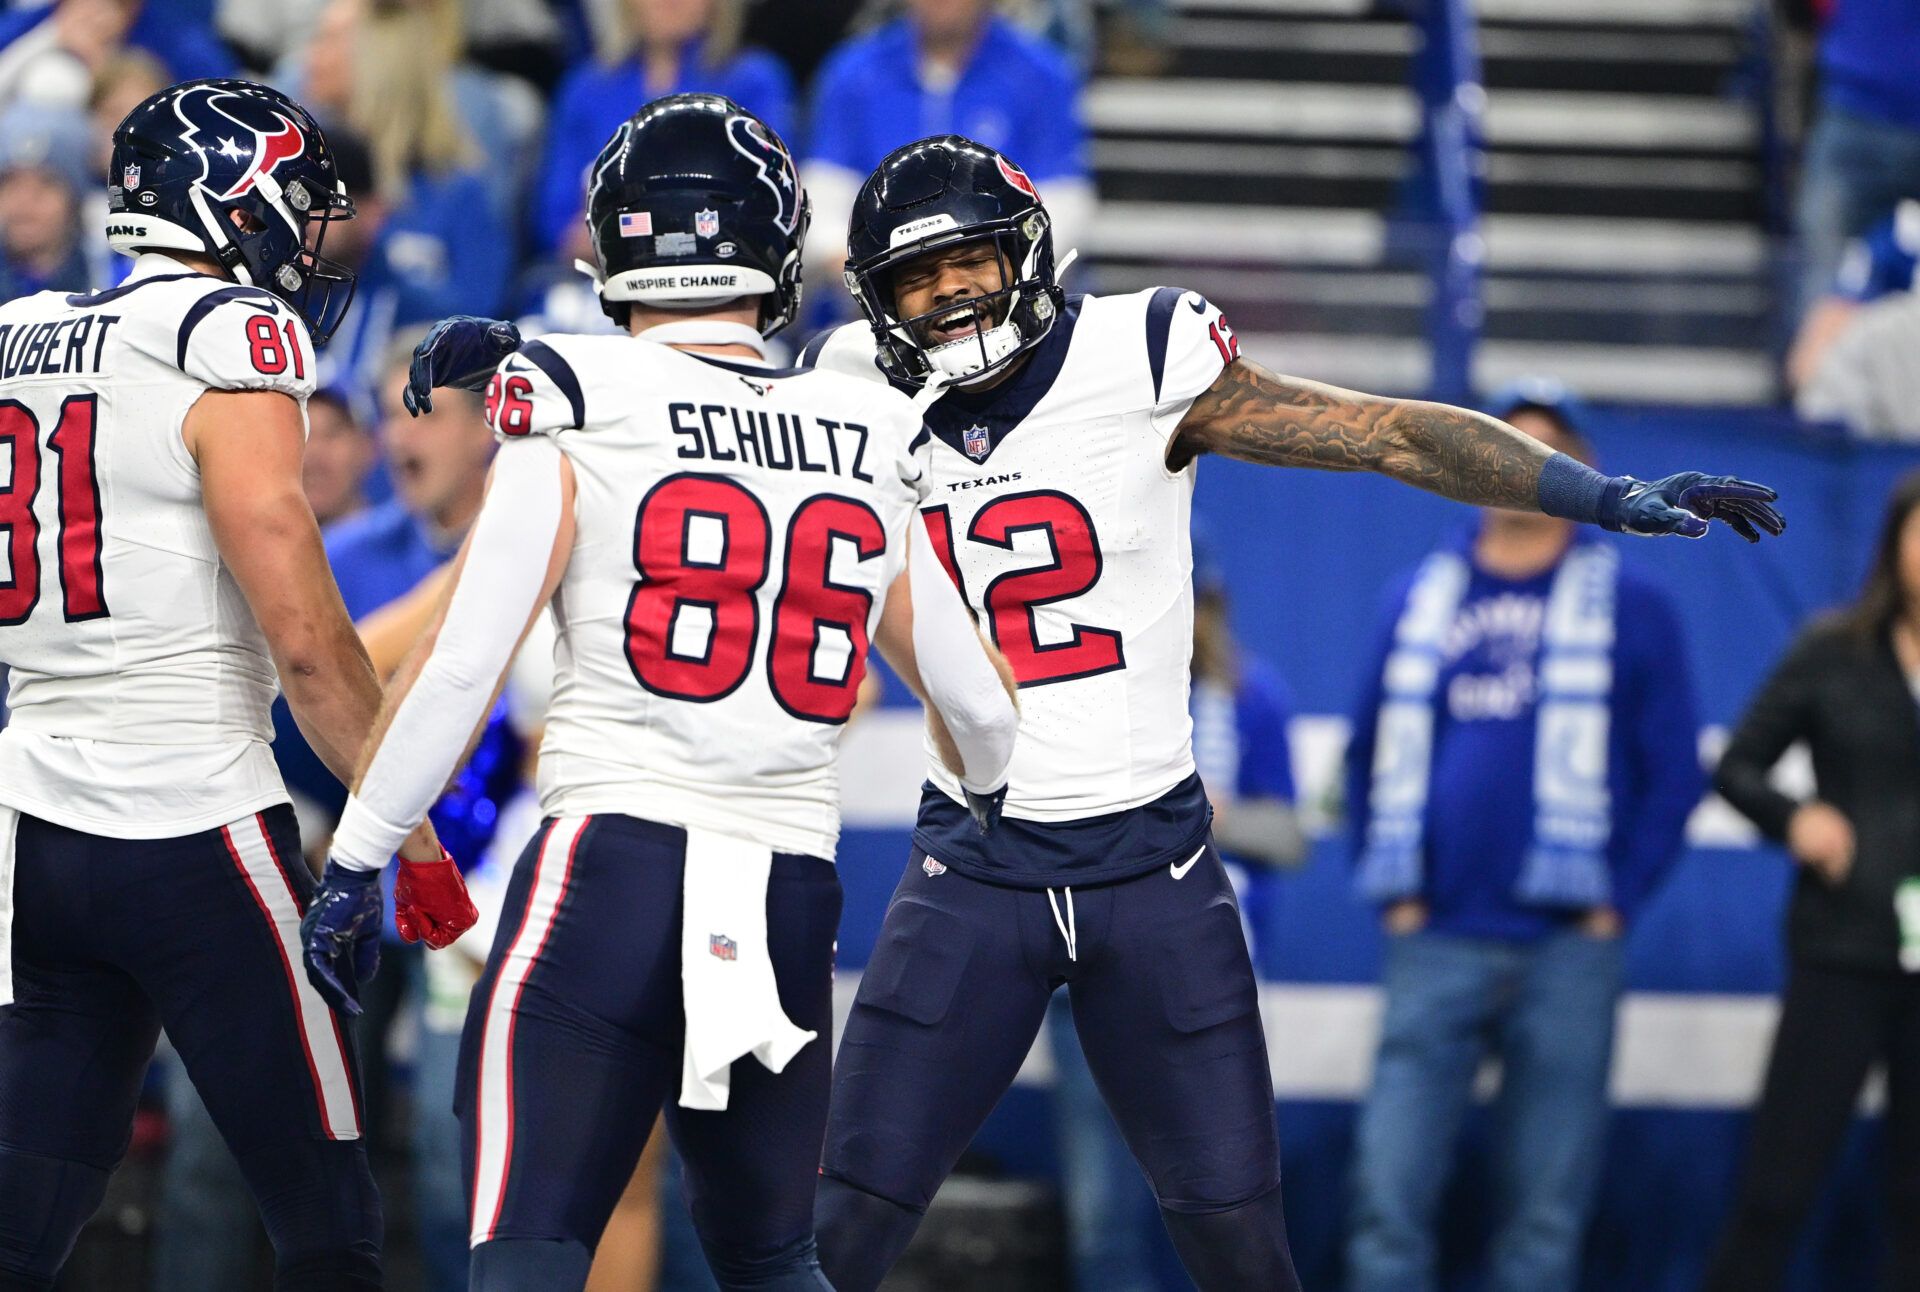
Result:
[671,47]
[1863,152]
[1522,768]
[431,237]
[43,173]
[55,50]
[340,454]
[947,67]
[1241,708]
[1878,263]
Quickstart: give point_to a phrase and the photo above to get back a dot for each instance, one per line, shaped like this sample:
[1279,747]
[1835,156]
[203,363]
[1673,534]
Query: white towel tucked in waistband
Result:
[9,822]
[726,976]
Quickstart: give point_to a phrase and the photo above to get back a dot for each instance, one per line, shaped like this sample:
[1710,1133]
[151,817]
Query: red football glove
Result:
[430,902]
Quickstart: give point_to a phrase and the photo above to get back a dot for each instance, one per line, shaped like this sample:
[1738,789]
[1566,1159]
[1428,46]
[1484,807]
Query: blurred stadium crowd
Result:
[464,128]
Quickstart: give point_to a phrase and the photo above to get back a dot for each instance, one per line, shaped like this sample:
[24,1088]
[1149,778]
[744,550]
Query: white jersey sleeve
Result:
[1188,346]
[244,338]
[534,392]
[847,349]
[505,568]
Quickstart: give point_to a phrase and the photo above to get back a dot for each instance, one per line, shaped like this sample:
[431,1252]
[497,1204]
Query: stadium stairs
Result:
[1627,192]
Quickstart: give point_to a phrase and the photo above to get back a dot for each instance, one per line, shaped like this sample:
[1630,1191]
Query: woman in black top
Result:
[1850,688]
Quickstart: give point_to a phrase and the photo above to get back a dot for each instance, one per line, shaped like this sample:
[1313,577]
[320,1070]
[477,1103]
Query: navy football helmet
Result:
[239,172]
[931,195]
[693,202]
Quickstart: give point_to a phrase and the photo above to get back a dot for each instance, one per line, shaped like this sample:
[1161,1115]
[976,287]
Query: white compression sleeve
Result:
[505,570]
[961,681]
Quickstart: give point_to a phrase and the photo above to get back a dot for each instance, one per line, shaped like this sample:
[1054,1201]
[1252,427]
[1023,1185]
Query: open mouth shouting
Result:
[969,318]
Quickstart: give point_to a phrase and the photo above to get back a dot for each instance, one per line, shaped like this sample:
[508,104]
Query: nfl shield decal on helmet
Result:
[723,947]
[932,868]
[706,223]
[976,442]
[130,178]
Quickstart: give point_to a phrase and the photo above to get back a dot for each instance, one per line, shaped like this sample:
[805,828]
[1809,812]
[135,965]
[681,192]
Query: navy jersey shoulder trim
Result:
[1005,406]
[108,295]
[214,300]
[919,439]
[1159,326]
[746,369]
[542,356]
[810,352]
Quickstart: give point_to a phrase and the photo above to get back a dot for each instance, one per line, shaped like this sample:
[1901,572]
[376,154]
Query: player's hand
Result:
[341,935]
[985,806]
[1684,504]
[430,902]
[460,351]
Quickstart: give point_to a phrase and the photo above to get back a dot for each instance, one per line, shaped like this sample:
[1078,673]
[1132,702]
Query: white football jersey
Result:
[139,681]
[1050,503]
[737,528]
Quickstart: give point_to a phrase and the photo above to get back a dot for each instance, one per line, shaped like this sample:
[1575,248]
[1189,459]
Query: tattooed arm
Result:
[1258,416]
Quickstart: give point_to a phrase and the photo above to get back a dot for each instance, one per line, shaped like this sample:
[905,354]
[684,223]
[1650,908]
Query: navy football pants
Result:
[116,939]
[1168,1012]
[573,1045]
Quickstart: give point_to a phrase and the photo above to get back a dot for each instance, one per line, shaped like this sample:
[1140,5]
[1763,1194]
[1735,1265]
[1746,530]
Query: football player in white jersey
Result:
[160,569]
[1062,470]
[717,539]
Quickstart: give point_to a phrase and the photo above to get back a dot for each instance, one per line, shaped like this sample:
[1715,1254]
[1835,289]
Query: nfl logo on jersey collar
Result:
[723,947]
[977,442]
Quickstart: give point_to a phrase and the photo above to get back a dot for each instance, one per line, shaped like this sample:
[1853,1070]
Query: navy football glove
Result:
[341,934]
[1683,504]
[985,807]
[461,351]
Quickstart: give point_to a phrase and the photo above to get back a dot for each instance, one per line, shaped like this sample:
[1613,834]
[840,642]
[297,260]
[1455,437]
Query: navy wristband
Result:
[1572,490]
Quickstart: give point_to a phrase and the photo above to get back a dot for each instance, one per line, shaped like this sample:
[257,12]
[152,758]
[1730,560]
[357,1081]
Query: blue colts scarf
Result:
[1566,863]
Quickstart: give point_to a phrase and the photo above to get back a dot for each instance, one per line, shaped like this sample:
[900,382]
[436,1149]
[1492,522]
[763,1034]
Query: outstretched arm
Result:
[504,576]
[505,573]
[1258,416]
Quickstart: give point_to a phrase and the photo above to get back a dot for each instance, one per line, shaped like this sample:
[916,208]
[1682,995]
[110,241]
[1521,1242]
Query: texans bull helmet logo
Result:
[751,141]
[239,129]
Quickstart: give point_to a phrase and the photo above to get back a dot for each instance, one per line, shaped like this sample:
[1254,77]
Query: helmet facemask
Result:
[279,247]
[1018,313]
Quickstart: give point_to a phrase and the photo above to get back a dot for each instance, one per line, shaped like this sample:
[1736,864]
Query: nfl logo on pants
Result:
[723,947]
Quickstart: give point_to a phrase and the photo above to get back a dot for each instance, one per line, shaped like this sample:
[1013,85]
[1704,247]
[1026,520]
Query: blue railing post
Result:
[1453,100]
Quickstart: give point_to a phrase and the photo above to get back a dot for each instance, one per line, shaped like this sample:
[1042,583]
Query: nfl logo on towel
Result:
[974,440]
[723,947]
[636,224]
[706,223]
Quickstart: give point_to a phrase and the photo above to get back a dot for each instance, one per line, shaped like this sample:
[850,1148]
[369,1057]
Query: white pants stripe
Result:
[493,1129]
[252,851]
